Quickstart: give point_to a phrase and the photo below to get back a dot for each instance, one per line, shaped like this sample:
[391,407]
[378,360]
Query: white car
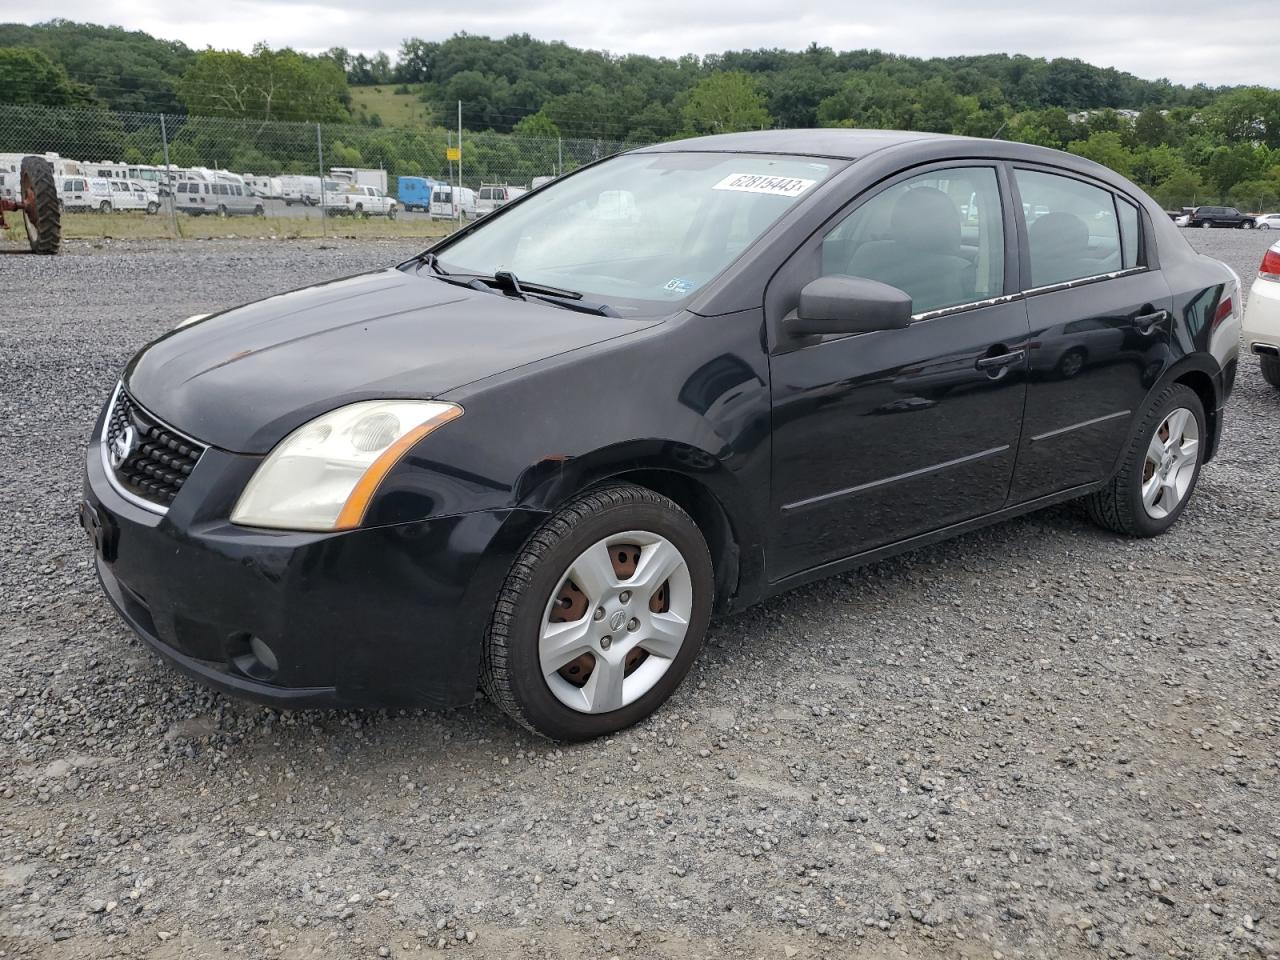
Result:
[1262,316]
[1267,221]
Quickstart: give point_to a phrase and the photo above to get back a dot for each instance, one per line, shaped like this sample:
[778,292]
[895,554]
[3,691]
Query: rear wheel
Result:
[259,211]
[153,207]
[222,210]
[601,615]
[104,206]
[1206,225]
[42,212]
[1271,371]
[1160,469]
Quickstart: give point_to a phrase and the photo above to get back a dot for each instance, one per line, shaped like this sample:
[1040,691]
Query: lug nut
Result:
[606,642]
[625,596]
[599,614]
[633,624]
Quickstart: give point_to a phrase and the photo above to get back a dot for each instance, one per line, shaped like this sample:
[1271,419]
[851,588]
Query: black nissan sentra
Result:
[538,458]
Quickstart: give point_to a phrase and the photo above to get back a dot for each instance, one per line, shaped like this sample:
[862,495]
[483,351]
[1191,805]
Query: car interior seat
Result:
[1060,249]
[921,254]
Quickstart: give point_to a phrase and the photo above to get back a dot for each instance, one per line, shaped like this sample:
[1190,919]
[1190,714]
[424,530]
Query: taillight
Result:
[1224,311]
[1270,269]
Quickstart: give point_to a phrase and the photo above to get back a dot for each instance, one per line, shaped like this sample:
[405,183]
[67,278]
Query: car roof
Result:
[836,142]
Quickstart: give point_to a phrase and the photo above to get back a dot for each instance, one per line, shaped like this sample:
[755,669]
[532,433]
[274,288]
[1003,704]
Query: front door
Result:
[882,436]
[1100,328]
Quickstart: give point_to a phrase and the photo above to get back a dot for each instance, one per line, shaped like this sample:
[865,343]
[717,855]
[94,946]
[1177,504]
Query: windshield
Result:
[640,232]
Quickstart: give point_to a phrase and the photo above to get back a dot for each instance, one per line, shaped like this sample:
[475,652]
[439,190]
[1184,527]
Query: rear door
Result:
[1100,324]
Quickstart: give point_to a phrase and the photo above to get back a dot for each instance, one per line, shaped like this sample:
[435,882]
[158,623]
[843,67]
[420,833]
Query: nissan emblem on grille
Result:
[147,458]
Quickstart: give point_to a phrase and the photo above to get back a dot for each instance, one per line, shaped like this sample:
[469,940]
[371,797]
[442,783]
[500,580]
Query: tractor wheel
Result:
[43,210]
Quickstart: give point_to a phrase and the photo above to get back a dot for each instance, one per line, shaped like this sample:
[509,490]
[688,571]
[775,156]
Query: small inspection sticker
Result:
[762,183]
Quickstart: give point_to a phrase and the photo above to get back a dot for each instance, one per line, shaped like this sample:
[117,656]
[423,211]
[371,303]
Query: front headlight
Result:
[323,475]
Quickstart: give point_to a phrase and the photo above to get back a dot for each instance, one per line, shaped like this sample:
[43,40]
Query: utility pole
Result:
[459,161]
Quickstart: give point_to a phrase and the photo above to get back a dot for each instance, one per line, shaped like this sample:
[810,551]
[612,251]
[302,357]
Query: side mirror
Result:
[840,304]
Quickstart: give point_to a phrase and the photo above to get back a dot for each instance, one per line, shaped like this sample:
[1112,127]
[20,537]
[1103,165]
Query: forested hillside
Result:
[1183,143]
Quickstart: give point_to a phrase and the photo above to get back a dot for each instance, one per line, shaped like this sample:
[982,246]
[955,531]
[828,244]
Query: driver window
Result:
[938,237]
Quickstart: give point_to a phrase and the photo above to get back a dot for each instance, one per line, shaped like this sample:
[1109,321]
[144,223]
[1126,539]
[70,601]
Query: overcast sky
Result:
[1188,41]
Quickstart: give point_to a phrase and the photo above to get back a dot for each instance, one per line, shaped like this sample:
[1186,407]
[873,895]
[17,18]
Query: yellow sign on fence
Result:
[453,153]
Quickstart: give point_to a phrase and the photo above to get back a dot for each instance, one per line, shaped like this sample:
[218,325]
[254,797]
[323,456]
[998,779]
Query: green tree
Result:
[1151,128]
[536,125]
[28,76]
[726,102]
[1107,149]
[1250,115]
[265,85]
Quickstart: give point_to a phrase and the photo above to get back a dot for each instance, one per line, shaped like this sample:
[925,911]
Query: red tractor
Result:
[38,201]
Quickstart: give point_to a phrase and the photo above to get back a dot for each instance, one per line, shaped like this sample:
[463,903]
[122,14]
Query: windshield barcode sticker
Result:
[760,183]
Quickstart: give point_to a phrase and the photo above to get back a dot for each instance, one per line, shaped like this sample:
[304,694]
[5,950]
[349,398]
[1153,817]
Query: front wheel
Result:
[259,211]
[601,615]
[391,213]
[153,208]
[1271,371]
[1246,225]
[1160,469]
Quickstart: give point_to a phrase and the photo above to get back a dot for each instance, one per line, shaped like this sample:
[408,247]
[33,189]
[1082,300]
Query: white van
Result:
[492,196]
[87,193]
[300,189]
[448,201]
[221,198]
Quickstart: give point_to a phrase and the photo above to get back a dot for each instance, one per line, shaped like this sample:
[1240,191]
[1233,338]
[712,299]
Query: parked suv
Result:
[536,458]
[1219,217]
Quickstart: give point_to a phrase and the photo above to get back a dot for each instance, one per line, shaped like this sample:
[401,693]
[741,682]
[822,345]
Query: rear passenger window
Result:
[1071,228]
[938,237]
[1129,233]
[237,190]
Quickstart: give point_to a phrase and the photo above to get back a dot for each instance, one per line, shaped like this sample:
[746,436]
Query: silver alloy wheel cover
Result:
[1174,462]
[661,635]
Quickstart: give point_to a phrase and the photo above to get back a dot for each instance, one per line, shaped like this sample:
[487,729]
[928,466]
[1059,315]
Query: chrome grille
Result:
[146,457]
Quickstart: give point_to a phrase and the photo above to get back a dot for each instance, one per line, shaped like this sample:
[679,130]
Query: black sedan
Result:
[538,458]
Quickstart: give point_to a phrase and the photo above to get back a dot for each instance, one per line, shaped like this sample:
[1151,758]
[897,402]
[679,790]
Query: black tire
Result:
[153,208]
[259,211]
[44,221]
[104,206]
[391,213]
[510,672]
[1271,371]
[1118,505]
[222,210]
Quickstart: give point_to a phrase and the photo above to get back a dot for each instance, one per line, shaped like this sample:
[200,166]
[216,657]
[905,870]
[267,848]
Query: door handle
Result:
[1145,321]
[998,360]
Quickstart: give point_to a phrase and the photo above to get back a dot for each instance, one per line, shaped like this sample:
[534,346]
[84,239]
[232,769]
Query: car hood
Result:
[242,379]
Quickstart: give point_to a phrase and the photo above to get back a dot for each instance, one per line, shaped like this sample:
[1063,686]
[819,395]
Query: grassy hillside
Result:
[394,109]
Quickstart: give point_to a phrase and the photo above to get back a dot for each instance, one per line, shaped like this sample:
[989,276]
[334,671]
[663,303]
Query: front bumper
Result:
[388,616]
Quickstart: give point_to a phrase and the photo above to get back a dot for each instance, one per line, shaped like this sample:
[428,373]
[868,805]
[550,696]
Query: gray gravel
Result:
[1038,740]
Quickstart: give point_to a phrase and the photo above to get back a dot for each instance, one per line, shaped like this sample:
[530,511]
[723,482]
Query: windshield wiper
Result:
[506,282]
[427,258]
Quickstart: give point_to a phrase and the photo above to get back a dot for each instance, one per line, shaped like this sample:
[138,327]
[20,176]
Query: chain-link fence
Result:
[136,174]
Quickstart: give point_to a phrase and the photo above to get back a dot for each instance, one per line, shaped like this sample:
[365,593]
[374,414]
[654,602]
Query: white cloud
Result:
[1188,41]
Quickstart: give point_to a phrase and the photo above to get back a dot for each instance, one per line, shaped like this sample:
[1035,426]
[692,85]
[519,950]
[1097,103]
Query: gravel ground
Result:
[1038,740]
